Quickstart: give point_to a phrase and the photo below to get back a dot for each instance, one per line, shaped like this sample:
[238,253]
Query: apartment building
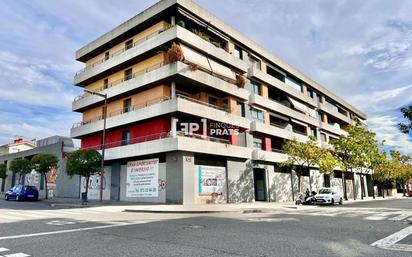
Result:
[197,112]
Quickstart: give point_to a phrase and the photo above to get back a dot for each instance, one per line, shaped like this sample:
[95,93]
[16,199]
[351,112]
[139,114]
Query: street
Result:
[356,229]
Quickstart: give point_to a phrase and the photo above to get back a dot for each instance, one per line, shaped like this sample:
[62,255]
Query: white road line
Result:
[401,217]
[390,242]
[17,214]
[7,217]
[2,249]
[17,255]
[73,230]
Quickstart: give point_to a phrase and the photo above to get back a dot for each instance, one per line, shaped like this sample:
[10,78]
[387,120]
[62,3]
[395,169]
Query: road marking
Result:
[390,242]
[17,214]
[401,217]
[2,249]
[17,255]
[73,230]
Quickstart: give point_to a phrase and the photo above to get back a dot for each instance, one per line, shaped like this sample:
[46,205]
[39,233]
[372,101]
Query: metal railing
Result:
[123,111]
[120,51]
[120,81]
[202,103]
[275,150]
[202,137]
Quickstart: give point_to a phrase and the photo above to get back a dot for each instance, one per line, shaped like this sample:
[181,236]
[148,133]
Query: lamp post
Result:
[103,139]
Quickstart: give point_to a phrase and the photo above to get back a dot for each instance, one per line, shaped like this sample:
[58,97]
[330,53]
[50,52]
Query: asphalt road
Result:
[98,232]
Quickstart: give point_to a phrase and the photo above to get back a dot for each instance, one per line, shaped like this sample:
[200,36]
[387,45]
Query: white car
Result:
[328,195]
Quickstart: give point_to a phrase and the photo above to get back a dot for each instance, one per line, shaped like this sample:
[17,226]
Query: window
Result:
[255,62]
[128,44]
[323,137]
[257,115]
[293,83]
[126,137]
[320,116]
[257,142]
[238,52]
[212,101]
[255,87]
[313,132]
[128,74]
[240,107]
[127,105]
[105,83]
[106,56]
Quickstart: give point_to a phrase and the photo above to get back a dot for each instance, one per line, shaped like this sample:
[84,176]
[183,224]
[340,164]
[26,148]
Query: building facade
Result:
[58,183]
[204,123]
[16,146]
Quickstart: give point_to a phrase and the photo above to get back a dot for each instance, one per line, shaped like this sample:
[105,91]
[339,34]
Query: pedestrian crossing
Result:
[4,252]
[362,213]
[9,215]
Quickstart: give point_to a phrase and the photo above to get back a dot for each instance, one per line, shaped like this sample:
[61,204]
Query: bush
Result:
[175,53]
[240,81]
[181,24]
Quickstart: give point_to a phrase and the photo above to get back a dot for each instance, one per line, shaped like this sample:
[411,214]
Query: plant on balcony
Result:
[175,53]
[181,23]
[44,163]
[193,66]
[240,81]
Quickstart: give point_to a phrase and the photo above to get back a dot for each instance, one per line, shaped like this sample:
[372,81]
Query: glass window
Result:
[127,105]
[313,132]
[257,142]
[323,137]
[240,109]
[105,83]
[106,56]
[128,74]
[212,101]
[255,87]
[257,115]
[129,44]
[238,52]
[126,137]
[293,83]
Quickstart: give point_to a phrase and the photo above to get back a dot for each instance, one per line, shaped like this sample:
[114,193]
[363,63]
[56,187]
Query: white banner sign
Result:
[143,178]
[212,180]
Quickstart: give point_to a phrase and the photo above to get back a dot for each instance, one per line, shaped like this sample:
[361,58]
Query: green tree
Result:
[21,167]
[43,163]
[303,156]
[402,169]
[84,162]
[3,174]
[407,114]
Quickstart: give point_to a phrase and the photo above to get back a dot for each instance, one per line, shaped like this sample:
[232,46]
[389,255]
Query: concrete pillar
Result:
[173,90]
[173,20]
[173,126]
[264,91]
[263,66]
[324,118]
[230,47]
[304,89]
[322,99]
[267,117]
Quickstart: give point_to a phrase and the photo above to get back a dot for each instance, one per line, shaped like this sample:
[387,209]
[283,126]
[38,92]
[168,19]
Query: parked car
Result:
[328,195]
[21,193]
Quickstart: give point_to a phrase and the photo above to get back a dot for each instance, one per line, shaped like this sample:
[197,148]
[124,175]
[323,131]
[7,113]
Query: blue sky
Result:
[361,50]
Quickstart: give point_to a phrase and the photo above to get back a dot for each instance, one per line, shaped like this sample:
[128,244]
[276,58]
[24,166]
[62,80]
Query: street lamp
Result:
[104,137]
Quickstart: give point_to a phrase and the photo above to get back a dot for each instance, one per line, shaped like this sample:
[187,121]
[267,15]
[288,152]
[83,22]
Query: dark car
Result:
[21,193]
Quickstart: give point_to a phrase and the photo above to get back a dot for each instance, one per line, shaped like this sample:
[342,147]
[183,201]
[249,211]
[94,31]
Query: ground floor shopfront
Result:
[192,178]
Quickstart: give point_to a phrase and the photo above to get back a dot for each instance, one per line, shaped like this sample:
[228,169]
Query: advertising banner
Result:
[142,178]
[212,180]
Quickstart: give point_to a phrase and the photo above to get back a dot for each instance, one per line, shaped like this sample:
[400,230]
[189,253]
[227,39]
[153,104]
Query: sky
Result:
[360,50]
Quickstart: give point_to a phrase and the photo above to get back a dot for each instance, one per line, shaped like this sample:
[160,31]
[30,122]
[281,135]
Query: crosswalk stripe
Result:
[7,217]
[17,255]
[17,214]
[401,217]
[2,249]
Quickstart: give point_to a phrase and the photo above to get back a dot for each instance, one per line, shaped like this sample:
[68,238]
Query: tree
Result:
[407,114]
[402,169]
[21,167]
[3,174]
[43,163]
[84,162]
[302,156]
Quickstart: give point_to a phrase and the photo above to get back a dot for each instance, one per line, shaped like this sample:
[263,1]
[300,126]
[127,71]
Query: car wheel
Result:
[341,201]
[6,197]
[332,202]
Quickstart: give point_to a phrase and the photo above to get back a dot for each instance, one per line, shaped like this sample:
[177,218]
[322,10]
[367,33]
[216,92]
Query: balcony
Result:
[272,81]
[333,111]
[274,156]
[335,128]
[165,142]
[157,107]
[277,131]
[280,108]
[140,47]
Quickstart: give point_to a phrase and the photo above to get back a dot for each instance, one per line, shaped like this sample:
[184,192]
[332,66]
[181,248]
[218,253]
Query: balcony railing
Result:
[123,110]
[153,137]
[203,103]
[143,105]
[118,52]
[276,150]
[120,81]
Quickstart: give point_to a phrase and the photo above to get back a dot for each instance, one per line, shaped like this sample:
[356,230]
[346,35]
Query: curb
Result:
[177,212]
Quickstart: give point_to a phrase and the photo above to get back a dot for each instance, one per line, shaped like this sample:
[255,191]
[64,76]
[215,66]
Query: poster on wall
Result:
[94,186]
[212,180]
[142,178]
